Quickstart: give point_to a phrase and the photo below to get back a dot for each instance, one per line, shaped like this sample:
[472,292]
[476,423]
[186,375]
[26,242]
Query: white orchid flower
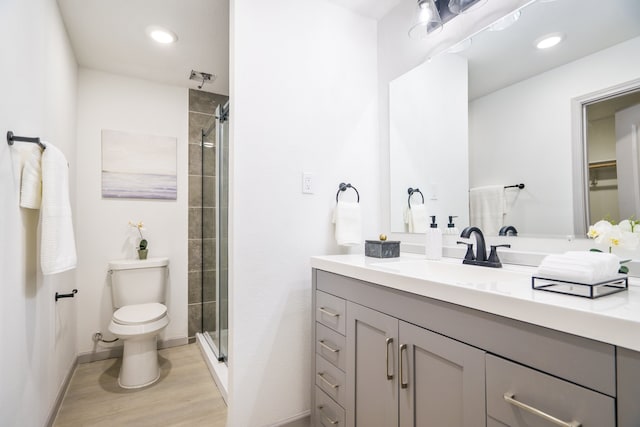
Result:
[600,231]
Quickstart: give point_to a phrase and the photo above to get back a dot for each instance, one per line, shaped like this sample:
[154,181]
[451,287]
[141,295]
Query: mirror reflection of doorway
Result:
[612,137]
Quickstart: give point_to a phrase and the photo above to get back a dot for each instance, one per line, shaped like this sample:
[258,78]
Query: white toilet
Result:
[138,290]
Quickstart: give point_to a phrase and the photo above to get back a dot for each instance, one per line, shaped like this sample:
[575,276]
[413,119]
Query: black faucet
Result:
[508,230]
[481,250]
[480,257]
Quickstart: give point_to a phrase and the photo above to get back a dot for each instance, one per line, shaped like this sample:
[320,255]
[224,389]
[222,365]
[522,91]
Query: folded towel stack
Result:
[416,218]
[580,267]
[348,220]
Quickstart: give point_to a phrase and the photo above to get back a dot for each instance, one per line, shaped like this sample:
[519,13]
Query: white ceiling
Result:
[110,36]
[375,9]
[498,59]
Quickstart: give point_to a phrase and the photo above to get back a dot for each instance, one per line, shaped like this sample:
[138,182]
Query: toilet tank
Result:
[136,281]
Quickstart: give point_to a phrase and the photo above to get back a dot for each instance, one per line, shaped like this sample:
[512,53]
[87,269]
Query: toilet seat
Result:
[138,314]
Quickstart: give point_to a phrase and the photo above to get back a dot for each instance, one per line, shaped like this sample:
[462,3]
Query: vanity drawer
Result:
[330,311]
[331,380]
[560,399]
[331,345]
[327,412]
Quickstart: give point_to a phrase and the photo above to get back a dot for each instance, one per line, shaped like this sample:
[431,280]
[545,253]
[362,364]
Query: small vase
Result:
[142,253]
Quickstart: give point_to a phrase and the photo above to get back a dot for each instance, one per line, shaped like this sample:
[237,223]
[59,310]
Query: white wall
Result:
[38,76]
[304,98]
[107,101]
[533,142]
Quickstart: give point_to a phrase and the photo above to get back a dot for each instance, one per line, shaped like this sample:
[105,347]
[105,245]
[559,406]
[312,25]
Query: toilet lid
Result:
[139,313]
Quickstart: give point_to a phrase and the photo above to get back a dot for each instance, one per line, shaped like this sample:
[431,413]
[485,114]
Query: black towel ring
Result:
[343,187]
[411,191]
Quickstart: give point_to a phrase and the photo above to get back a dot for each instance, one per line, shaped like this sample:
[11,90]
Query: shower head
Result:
[202,77]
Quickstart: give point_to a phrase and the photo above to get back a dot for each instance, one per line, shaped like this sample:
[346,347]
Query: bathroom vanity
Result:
[410,342]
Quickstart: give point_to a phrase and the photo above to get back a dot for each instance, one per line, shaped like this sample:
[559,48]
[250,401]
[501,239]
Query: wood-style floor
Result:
[185,395]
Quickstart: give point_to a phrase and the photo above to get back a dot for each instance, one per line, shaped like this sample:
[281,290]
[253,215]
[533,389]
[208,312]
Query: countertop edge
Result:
[597,326]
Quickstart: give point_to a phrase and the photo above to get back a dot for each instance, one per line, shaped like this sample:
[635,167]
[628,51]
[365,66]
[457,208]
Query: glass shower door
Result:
[222,213]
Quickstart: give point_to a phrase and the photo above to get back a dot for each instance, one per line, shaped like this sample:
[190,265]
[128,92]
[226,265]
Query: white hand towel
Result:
[57,247]
[348,220]
[581,267]
[20,152]
[417,218]
[31,183]
[487,208]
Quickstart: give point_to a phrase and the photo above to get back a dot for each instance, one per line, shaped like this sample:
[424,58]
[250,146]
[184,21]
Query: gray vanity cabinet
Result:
[407,360]
[401,374]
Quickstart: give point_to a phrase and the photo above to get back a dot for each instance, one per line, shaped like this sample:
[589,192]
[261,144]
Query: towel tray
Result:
[584,290]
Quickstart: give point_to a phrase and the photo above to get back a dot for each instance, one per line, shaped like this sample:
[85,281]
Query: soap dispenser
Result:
[451,227]
[451,233]
[433,243]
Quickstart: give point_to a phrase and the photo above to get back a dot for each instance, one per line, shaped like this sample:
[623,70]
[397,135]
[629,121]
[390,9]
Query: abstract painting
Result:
[136,166]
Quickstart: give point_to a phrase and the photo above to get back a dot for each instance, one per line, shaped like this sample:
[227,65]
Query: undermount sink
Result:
[452,270]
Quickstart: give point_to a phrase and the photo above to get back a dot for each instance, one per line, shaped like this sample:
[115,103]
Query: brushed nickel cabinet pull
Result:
[331,349]
[510,398]
[403,384]
[332,422]
[330,384]
[389,341]
[328,313]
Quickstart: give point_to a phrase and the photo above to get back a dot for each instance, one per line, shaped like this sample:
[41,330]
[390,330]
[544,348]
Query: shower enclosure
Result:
[215,316]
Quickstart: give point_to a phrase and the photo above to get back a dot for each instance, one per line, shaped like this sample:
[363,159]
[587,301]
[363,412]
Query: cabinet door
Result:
[372,381]
[442,381]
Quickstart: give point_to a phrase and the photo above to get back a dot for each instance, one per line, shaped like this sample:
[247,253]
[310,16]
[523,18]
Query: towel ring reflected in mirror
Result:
[343,187]
[411,191]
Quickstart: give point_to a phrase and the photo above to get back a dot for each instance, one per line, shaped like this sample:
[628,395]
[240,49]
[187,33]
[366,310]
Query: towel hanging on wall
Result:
[31,182]
[487,208]
[57,247]
[348,218]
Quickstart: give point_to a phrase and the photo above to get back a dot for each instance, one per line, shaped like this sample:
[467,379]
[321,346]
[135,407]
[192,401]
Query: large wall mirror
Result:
[501,112]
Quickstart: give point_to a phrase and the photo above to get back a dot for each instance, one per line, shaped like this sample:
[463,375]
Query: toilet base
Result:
[140,367]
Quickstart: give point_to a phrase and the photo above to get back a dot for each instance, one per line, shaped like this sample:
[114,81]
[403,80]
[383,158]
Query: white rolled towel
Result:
[580,267]
[348,220]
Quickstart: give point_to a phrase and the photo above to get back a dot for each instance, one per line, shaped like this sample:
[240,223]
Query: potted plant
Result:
[143,251]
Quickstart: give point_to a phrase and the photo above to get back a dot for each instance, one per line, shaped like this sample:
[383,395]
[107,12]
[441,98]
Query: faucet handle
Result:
[469,255]
[493,256]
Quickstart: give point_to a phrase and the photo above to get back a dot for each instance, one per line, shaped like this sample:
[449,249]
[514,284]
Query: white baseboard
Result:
[114,352]
[301,420]
[62,391]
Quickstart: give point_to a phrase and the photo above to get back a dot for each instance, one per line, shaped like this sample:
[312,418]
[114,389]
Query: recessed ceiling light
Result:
[549,40]
[161,35]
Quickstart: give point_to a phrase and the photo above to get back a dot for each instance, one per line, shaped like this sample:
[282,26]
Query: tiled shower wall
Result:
[202,214]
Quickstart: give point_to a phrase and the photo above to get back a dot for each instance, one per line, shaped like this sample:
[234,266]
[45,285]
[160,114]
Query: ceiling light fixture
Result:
[162,35]
[548,41]
[463,6]
[426,20]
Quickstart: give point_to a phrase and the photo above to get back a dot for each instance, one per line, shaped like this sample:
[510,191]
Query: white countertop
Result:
[613,319]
